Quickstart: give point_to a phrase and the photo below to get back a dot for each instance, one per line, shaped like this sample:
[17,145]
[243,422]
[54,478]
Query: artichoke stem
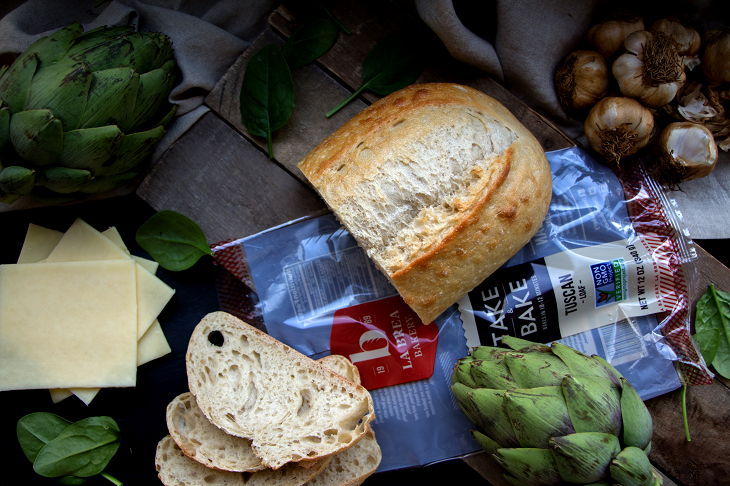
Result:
[684,413]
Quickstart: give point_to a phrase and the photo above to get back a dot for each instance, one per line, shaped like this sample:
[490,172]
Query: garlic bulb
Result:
[685,151]
[688,39]
[608,36]
[651,70]
[581,80]
[716,59]
[617,127]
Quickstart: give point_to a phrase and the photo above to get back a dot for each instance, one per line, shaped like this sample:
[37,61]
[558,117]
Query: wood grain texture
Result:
[372,20]
[315,92]
[217,178]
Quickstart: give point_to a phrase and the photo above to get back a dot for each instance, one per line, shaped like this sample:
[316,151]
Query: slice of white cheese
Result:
[71,324]
[39,243]
[152,345]
[113,234]
[82,243]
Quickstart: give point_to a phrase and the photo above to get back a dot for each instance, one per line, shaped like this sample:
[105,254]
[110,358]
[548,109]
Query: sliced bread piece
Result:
[253,386]
[204,442]
[342,366]
[176,469]
[353,466]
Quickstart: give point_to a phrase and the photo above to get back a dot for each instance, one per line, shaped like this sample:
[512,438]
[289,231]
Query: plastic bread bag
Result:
[318,292]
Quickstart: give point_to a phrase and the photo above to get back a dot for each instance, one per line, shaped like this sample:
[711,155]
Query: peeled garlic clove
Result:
[608,36]
[651,70]
[716,58]
[581,80]
[617,127]
[685,151]
[688,39]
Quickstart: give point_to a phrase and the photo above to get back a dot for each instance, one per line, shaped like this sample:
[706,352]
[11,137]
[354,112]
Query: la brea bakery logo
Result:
[387,342]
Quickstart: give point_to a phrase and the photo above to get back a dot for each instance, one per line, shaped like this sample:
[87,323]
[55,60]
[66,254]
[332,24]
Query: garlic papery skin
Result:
[581,80]
[688,39]
[608,37]
[651,70]
[716,58]
[617,127]
[685,151]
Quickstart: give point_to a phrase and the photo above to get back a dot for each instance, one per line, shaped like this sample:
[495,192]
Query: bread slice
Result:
[342,366]
[439,183]
[176,469]
[352,467]
[253,386]
[204,442]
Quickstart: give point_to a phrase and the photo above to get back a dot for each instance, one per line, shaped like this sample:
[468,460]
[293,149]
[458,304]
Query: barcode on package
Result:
[331,282]
[622,343]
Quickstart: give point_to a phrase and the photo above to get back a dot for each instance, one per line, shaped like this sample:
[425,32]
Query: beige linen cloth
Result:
[520,43]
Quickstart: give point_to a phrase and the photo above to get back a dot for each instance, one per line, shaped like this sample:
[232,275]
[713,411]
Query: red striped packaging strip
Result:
[656,224]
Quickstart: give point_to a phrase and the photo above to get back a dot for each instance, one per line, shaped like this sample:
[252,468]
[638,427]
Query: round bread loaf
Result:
[439,183]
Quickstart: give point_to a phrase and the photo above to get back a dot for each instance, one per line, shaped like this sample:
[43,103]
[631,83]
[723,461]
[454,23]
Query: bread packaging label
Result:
[386,340]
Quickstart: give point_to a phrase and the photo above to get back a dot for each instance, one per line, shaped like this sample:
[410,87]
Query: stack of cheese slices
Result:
[259,412]
[78,313]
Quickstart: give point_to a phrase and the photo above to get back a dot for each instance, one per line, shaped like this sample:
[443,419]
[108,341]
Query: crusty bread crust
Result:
[253,386]
[439,183]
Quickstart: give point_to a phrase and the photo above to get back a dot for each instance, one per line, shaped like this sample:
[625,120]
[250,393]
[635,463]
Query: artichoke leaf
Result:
[537,415]
[594,404]
[152,92]
[99,54]
[89,148]
[637,422]
[63,180]
[63,89]
[531,370]
[111,98]
[37,136]
[8,198]
[485,442]
[493,373]
[485,352]
[52,48]
[150,50]
[15,84]
[3,69]
[518,344]
[491,416]
[531,466]
[462,372]
[609,367]
[104,184]
[4,130]
[631,467]
[135,148]
[581,364]
[16,180]
[584,457]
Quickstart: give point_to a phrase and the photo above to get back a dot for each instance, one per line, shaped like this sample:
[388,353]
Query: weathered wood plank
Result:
[372,20]
[217,178]
[314,93]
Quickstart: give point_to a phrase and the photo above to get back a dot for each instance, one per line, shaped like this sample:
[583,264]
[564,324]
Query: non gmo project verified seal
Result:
[610,281]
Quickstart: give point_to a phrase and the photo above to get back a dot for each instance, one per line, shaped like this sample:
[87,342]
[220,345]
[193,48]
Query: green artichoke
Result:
[552,415]
[80,110]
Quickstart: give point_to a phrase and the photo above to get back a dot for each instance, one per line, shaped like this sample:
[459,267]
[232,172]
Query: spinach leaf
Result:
[308,42]
[35,430]
[173,240]
[83,449]
[392,64]
[70,480]
[335,19]
[267,94]
[712,326]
